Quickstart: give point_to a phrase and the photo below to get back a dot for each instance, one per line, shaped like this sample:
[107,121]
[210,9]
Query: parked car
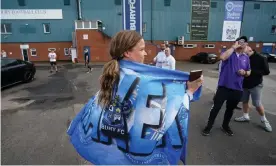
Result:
[204,57]
[14,71]
[270,57]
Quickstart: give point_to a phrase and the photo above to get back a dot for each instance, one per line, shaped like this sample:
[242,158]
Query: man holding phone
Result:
[235,67]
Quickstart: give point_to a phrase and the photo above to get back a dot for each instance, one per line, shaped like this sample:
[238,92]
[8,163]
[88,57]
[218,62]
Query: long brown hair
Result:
[123,41]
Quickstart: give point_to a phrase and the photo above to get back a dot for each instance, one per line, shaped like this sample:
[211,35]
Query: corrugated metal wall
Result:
[61,30]
[258,22]
[167,22]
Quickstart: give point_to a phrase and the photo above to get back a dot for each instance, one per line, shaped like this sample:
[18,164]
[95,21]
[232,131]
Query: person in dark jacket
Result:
[253,86]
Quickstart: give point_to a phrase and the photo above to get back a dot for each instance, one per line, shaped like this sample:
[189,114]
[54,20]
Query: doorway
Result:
[25,54]
[89,54]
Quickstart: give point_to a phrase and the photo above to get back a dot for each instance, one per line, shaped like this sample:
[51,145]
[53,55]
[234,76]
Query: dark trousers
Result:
[232,98]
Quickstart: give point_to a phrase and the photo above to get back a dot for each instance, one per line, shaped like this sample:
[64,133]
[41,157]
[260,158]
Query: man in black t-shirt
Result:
[253,86]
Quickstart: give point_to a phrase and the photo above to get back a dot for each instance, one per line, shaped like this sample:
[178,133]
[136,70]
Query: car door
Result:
[14,71]
[202,57]
[4,73]
[197,57]
[20,70]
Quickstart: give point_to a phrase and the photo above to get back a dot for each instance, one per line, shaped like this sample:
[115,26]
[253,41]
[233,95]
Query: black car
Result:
[14,71]
[270,57]
[204,57]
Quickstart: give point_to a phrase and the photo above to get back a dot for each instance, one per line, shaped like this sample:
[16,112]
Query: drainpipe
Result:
[242,17]
[79,9]
[151,35]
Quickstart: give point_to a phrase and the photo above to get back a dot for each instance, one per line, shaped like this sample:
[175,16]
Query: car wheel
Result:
[209,61]
[28,76]
[191,59]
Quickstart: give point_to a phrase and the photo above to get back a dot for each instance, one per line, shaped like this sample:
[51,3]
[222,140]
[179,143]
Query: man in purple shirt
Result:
[235,67]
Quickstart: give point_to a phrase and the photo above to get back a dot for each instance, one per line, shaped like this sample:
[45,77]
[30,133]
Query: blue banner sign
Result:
[145,123]
[233,10]
[132,15]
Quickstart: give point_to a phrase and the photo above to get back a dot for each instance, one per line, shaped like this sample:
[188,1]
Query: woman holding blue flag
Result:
[139,115]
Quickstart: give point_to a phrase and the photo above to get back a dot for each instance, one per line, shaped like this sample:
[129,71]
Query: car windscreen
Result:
[8,62]
[212,55]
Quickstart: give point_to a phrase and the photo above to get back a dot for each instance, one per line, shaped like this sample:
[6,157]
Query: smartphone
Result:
[195,74]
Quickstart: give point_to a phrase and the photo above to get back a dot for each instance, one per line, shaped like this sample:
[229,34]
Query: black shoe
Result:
[206,131]
[227,130]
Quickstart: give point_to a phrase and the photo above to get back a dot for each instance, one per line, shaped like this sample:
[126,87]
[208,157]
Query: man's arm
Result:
[248,70]
[173,64]
[155,58]
[224,56]
[266,67]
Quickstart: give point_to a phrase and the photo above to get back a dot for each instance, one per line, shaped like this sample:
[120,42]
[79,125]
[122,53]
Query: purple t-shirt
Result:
[229,76]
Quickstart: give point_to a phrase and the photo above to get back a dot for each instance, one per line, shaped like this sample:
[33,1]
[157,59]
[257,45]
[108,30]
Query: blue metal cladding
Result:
[216,18]
[161,22]
[32,30]
[106,11]
[168,22]
[258,22]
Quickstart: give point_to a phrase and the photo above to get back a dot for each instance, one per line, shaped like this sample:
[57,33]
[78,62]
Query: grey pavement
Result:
[34,119]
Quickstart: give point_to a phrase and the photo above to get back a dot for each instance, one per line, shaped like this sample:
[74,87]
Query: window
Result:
[8,62]
[6,28]
[46,28]
[188,27]
[87,24]
[190,45]
[33,51]
[273,29]
[51,49]
[21,2]
[66,51]
[257,6]
[117,2]
[209,46]
[167,2]
[79,25]
[66,2]
[213,4]
[3,62]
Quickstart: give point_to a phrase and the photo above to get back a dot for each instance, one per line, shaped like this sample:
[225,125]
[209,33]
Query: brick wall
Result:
[98,43]
[99,47]
[13,50]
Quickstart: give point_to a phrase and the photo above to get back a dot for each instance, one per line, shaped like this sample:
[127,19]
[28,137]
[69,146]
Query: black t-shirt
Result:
[259,68]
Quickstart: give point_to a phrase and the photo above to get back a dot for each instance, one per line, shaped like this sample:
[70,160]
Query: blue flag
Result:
[146,122]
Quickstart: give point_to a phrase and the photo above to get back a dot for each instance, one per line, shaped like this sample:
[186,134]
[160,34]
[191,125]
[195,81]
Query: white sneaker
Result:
[267,126]
[242,119]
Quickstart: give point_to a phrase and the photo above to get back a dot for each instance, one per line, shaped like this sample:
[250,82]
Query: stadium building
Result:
[31,28]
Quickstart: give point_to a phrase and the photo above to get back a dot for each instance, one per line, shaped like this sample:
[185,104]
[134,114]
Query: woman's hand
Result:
[193,86]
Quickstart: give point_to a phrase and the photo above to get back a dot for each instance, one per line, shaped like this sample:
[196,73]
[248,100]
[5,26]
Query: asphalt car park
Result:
[35,116]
